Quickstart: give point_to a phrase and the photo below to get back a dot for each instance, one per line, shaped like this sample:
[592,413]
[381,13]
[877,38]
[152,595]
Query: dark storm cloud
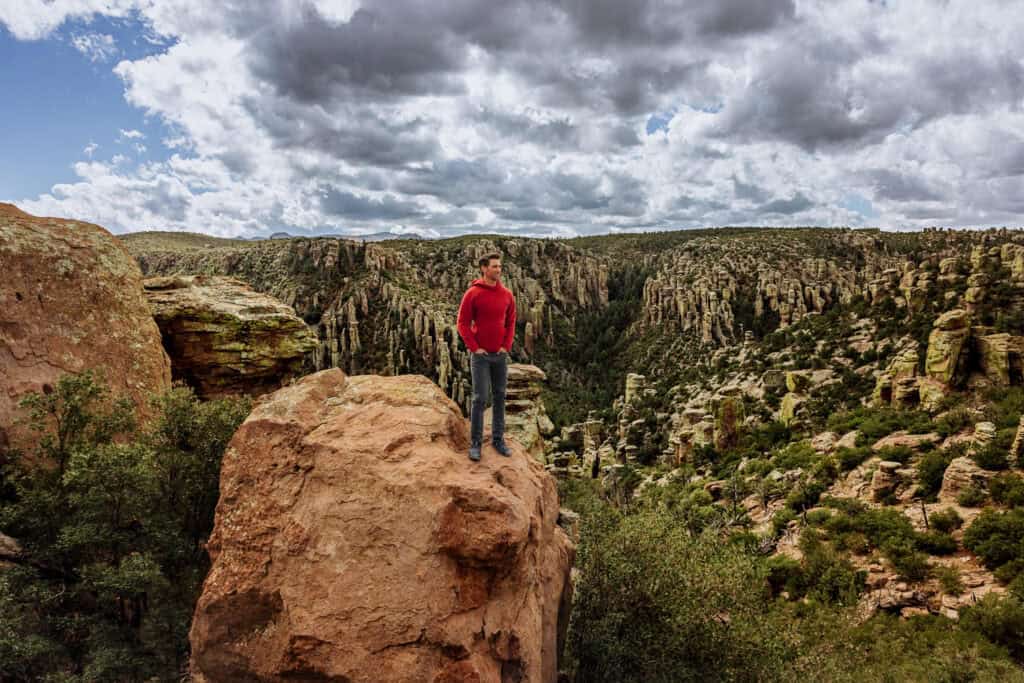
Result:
[737,17]
[742,190]
[667,22]
[558,133]
[788,207]
[526,214]
[357,134]
[336,202]
[377,53]
[900,187]
[402,48]
[813,94]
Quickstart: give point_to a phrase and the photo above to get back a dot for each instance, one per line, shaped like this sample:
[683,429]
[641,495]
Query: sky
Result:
[525,117]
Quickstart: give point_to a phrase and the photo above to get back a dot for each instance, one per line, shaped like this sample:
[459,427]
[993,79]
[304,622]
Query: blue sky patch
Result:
[60,100]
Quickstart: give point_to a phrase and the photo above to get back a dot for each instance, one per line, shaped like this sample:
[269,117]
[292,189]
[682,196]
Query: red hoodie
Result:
[487,317]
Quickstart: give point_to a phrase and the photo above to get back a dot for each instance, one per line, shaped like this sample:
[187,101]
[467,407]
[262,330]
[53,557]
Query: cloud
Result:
[557,116]
[35,19]
[796,204]
[98,47]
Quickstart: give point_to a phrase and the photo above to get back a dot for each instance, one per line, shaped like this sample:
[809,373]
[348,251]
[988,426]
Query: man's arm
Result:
[465,322]
[510,325]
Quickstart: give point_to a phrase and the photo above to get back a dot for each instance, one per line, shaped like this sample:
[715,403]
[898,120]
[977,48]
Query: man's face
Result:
[492,271]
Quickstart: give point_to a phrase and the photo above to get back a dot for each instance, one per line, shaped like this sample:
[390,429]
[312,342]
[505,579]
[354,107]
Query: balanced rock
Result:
[354,541]
[71,300]
[225,338]
[946,346]
[961,474]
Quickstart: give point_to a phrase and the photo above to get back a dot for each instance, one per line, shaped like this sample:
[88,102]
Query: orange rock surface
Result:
[355,541]
[70,300]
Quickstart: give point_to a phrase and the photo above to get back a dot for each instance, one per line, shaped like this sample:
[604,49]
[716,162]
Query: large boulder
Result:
[225,338]
[70,300]
[355,541]
[999,357]
[945,357]
[962,473]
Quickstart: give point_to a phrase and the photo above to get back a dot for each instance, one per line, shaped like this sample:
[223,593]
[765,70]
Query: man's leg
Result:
[480,372]
[499,381]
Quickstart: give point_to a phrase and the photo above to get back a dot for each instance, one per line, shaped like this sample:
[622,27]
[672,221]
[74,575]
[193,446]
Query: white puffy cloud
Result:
[561,117]
[98,47]
[34,19]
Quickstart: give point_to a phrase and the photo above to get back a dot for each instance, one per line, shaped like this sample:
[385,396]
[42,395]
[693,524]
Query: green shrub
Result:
[953,422]
[936,543]
[906,560]
[827,576]
[818,517]
[781,520]
[991,458]
[850,458]
[949,580]
[1006,573]
[797,454]
[850,506]
[650,603]
[113,534]
[1007,489]
[883,526]
[1000,619]
[852,541]
[996,536]
[945,521]
[900,454]
[784,574]
[874,423]
[971,497]
[1005,406]
[930,470]
[805,495]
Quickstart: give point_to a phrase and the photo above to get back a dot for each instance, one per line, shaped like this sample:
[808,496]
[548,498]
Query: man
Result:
[487,324]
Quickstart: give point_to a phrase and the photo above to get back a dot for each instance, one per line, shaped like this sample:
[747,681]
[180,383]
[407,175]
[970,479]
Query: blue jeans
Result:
[490,377]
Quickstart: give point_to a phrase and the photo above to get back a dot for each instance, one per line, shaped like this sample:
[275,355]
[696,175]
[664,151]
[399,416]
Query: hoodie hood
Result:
[480,282]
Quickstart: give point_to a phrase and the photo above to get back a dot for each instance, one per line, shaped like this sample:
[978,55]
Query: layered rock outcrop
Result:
[525,417]
[354,541]
[946,346]
[71,300]
[224,338]
[386,310]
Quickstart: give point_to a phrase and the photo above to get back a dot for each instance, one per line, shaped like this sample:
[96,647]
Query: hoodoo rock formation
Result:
[380,310]
[354,541]
[224,338]
[70,300]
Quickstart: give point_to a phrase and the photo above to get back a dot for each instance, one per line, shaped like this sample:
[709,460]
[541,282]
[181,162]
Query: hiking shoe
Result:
[474,452]
[502,448]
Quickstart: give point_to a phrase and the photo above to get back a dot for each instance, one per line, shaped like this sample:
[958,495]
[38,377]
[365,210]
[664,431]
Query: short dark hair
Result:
[486,260]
